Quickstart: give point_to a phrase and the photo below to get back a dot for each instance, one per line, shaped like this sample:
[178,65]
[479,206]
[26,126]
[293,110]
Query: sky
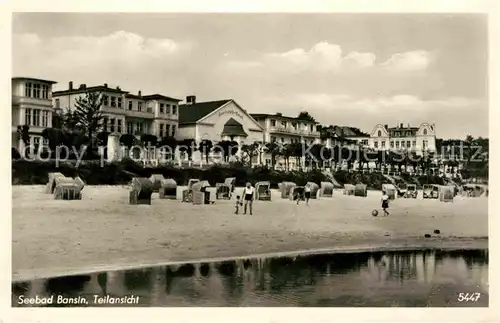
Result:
[344,69]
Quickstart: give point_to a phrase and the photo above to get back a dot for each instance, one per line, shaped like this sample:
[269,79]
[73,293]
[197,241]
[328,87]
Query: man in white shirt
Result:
[248,196]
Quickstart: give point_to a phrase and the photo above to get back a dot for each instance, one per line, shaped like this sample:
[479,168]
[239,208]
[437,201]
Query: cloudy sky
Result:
[344,69]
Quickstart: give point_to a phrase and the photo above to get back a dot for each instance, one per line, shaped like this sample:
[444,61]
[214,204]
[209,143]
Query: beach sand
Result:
[101,231]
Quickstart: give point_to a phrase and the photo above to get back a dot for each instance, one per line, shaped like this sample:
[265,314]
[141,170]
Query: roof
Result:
[343,131]
[134,96]
[392,131]
[233,128]
[19,78]
[191,113]
[257,116]
[98,88]
[159,97]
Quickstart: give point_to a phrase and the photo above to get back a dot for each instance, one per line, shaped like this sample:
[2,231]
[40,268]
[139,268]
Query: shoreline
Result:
[430,244]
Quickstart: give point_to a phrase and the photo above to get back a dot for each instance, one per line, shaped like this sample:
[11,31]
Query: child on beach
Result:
[385,203]
[238,204]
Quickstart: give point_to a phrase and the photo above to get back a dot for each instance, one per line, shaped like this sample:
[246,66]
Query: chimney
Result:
[106,85]
[386,127]
[191,99]
[401,126]
[118,88]
[140,94]
[83,86]
[71,85]
[408,126]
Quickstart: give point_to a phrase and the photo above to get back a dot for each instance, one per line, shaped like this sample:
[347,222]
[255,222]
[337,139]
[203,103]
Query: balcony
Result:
[293,131]
[18,100]
[145,114]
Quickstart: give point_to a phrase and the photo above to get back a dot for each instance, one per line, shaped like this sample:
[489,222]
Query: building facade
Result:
[31,106]
[127,113]
[401,137]
[279,128]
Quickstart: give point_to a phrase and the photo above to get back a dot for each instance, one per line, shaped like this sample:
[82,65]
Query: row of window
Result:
[36,117]
[292,140]
[116,125]
[284,124]
[116,102]
[401,144]
[166,108]
[36,91]
[401,133]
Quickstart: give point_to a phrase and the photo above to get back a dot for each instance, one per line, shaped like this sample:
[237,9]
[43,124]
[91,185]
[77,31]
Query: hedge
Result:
[120,173]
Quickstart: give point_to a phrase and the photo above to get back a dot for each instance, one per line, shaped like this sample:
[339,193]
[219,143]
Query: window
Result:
[282,139]
[311,127]
[380,133]
[119,125]
[112,125]
[161,130]
[424,144]
[119,102]
[174,109]
[36,91]
[425,132]
[383,144]
[273,138]
[392,144]
[273,123]
[130,128]
[105,124]
[130,105]
[45,91]
[408,144]
[36,118]
[139,106]
[45,119]
[397,144]
[27,116]
[167,130]
[283,124]
[167,108]
[365,142]
[105,100]
[27,89]
[173,130]
[58,104]
[414,143]
[162,108]
[376,144]
[294,125]
[113,102]
[139,127]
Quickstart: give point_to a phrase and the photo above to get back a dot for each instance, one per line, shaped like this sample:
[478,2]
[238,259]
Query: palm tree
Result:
[274,150]
[251,151]
[170,144]
[205,147]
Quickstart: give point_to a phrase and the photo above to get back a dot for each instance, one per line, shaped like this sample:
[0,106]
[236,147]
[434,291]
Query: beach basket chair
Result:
[326,189]
[314,189]
[168,189]
[141,189]
[199,190]
[411,191]
[51,184]
[286,188]
[349,189]
[263,191]
[360,190]
[156,180]
[446,193]
[187,194]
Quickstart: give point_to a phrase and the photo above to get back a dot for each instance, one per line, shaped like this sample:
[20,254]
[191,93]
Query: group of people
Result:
[246,200]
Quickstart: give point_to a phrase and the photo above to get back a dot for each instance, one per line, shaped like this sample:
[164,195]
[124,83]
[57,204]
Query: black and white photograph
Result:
[244,160]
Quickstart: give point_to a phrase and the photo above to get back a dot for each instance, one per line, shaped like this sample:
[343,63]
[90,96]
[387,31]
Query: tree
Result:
[171,143]
[87,115]
[187,146]
[274,150]
[24,134]
[228,148]
[128,140]
[148,139]
[251,151]
[205,147]
[304,115]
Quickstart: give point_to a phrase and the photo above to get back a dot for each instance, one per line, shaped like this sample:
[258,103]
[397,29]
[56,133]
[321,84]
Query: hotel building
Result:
[127,113]
[401,137]
[31,106]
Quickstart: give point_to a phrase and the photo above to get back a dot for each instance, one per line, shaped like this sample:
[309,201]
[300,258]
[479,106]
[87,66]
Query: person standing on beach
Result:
[248,196]
[307,193]
[385,203]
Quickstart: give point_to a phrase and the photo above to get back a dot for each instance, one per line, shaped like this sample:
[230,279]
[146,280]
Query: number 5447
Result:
[468,297]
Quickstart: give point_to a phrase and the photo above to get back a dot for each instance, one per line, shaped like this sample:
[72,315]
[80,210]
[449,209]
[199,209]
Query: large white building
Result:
[31,106]
[127,113]
[401,137]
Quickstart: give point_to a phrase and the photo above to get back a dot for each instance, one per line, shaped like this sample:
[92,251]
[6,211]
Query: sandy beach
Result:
[53,237]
